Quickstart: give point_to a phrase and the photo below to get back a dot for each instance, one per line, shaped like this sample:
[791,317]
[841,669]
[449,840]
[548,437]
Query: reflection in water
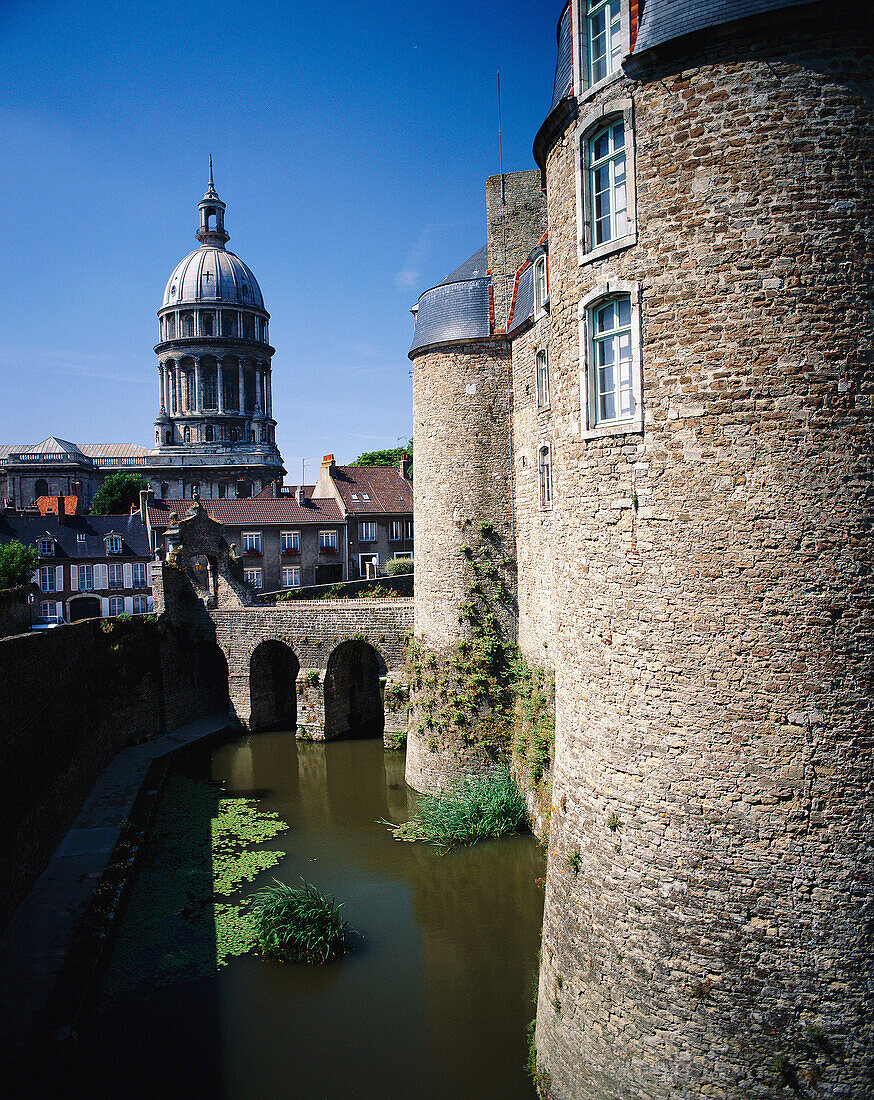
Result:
[434,1001]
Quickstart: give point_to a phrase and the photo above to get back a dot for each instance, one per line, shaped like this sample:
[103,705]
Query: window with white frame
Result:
[291,576]
[611,375]
[113,544]
[140,575]
[253,578]
[396,531]
[604,38]
[47,578]
[541,286]
[116,576]
[290,541]
[611,348]
[544,462]
[410,531]
[141,605]
[251,542]
[47,609]
[608,184]
[327,540]
[86,578]
[46,547]
[116,605]
[80,537]
[541,370]
[367,532]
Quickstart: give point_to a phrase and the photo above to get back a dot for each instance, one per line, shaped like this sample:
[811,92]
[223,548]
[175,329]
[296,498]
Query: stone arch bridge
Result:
[321,666]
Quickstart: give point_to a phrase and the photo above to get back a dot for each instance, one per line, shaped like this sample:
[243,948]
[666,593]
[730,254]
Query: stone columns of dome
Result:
[270,393]
[220,384]
[198,395]
[177,384]
[162,408]
[242,387]
[258,402]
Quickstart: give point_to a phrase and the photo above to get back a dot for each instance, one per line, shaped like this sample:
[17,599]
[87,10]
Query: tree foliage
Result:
[116,495]
[390,457]
[17,564]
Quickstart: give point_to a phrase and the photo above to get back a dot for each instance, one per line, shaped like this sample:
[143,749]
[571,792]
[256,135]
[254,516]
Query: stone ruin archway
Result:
[353,697]
[273,673]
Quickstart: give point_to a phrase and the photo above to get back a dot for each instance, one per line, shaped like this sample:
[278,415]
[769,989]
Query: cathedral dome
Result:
[212,274]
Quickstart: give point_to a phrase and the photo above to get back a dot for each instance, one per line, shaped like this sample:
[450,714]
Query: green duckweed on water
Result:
[186,915]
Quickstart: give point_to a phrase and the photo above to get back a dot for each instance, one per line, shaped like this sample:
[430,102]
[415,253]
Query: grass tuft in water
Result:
[475,807]
[298,924]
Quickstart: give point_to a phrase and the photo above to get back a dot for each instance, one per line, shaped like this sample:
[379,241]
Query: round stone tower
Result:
[709,919]
[460,417]
[215,428]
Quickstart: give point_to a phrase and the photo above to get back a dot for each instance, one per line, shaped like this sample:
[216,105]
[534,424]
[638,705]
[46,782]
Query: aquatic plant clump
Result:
[475,807]
[298,924]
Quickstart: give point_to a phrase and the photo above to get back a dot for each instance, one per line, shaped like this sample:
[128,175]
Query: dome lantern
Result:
[211,234]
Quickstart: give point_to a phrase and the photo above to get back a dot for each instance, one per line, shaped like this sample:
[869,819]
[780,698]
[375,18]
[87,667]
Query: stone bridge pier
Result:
[320,667]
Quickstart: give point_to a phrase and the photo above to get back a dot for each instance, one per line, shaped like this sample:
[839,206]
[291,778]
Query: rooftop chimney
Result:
[301,499]
[328,462]
[404,464]
[62,513]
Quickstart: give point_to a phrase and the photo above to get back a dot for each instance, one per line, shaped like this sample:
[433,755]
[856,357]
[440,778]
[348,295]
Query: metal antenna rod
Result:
[500,142]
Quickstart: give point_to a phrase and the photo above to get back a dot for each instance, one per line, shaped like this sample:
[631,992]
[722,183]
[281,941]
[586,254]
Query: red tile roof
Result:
[376,489]
[49,505]
[254,511]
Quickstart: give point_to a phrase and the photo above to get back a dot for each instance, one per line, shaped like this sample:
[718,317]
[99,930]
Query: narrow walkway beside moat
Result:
[36,940]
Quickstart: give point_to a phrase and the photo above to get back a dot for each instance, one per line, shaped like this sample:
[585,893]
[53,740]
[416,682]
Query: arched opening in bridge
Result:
[211,669]
[353,700]
[272,690]
[84,607]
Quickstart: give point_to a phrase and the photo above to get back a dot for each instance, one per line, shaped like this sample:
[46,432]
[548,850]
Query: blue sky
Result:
[351,144]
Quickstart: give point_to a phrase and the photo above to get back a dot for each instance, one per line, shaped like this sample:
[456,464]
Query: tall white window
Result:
[291,576]
[290,541]
[46,547]
[47,578]
[116,605]
[141,605]
[612,376]
[367,532]
[47,609]
[541,368]
[86,578]
[409,531]
[113,544]
[251,542]
[116,576]
[541,289]
[252,577]
[140,575]
[327,540]
[608,185]
[396,531]
[544,456]
[604,27]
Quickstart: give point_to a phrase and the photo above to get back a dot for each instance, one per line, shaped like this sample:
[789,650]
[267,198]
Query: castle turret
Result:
[709,897]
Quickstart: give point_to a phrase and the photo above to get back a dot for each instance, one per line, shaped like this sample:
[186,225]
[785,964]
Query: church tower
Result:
[215,429]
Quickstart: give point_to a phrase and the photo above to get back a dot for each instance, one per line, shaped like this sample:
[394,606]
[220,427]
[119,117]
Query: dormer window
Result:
[365,496]
[45,547]
[80,537]
[113,544]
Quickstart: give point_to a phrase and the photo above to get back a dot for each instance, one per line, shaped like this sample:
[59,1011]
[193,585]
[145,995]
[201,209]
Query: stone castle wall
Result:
[15,611]
[516,220]
[72,698]
[709,891]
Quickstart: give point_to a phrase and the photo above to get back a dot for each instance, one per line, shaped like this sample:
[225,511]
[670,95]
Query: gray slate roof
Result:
[458,308]
[27,529]
[564,66]
[663,20]
[524,305]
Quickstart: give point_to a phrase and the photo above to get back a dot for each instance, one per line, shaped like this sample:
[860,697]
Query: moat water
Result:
[434,1000]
